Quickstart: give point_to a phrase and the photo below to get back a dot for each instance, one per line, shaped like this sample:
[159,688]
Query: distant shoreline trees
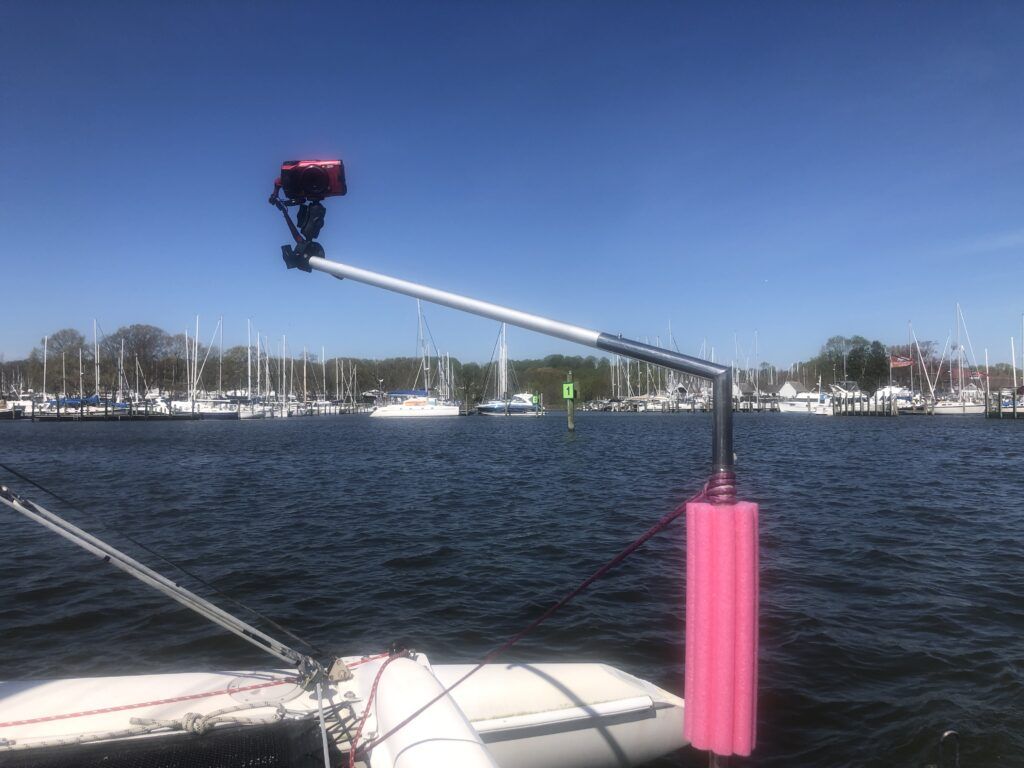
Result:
[157,360]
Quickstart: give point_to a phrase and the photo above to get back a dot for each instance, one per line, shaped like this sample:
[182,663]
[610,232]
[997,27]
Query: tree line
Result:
[855,358]
[154,360]
[150,359]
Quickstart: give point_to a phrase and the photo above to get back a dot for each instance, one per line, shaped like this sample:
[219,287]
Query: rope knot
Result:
[194,723]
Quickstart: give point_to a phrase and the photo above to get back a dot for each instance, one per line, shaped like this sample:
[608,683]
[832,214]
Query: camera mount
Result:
[310,221]
[305,184]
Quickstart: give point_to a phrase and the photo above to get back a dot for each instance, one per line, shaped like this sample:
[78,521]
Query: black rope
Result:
[316,650]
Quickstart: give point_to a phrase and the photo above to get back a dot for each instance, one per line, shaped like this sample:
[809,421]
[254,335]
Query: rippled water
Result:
[892,557]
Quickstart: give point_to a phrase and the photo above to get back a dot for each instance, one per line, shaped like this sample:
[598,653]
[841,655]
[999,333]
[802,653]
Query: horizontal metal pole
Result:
[455,301]
[721,376]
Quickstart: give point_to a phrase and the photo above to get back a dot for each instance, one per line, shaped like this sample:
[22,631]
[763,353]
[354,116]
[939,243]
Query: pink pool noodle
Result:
[721,627]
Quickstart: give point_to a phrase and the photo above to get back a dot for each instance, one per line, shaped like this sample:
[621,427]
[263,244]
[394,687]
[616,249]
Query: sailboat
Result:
[419,403]
[520,404]
[956,402]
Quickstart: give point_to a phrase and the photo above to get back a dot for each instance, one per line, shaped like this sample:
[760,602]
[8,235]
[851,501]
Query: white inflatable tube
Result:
[440,736]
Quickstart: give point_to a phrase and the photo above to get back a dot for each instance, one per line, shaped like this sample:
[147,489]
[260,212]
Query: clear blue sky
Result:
[801,169]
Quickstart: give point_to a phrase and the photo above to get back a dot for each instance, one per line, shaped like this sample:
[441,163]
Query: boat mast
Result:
[1013,365]
[195,363]
[96,357]
[959,355]
[220,359]
[120,374]
[45,355]
[424,349]
[248,358]
[503,364]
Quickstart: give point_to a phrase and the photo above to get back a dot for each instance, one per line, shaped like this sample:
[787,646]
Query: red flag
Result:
[899,361]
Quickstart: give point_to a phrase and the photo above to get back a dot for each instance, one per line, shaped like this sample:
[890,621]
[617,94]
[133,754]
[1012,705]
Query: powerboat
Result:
[816,403]
[521,404]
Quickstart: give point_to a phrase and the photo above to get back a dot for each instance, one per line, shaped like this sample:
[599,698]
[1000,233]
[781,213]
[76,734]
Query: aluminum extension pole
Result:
[722,459]
[148,576]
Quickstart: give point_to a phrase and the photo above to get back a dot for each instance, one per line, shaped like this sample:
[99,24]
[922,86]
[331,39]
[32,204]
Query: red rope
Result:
[188,697]
[366,710]
[368,658]
[604,569]
[106,710]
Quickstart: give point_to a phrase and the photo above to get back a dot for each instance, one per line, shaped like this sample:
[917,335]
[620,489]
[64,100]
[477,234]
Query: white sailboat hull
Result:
[517,715]
[958,409]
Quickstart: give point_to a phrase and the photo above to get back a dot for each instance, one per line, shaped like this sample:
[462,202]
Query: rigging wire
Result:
[314,648]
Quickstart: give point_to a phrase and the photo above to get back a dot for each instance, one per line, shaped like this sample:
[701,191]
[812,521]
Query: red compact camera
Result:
[312,179]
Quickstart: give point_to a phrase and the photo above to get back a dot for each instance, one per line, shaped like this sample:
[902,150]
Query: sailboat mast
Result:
[96,357]
[959,355]
[248,358]
[120,374]
[503,363]
[424,350]
[195,362]
[220,358]
[257,363]
[1013,366]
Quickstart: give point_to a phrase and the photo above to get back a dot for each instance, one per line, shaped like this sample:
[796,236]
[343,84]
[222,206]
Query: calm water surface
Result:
[892,557]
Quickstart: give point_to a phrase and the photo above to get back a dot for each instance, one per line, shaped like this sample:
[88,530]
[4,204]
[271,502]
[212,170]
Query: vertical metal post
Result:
[570,404]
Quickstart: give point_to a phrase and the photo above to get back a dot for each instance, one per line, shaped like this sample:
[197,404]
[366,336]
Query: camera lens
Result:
[315,181]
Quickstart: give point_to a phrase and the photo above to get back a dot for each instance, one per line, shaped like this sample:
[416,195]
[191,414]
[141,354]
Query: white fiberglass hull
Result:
[413,412]
[958,409]
[805,406]
[509,715]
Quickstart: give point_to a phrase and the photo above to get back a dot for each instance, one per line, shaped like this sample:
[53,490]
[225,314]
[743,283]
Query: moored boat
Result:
[405,404]
[521,404]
